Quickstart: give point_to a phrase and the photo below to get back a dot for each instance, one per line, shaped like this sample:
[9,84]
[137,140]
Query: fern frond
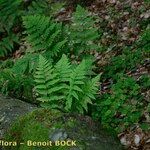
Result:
[41,76]
[65,71]
[90,90]
[43,34]
[145,40]
[7,44]
[64,86]
[6,77]
[46,7]
[9,11]
[38,7]
[82,32]
[48,85]
[15,84]
[76,80]
[25,65]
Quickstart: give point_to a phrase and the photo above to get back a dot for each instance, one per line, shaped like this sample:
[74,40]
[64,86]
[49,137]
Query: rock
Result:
[10,109]
[48,126]
[58,134]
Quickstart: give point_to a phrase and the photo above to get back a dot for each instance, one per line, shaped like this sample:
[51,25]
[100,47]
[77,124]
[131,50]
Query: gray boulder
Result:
[10,109]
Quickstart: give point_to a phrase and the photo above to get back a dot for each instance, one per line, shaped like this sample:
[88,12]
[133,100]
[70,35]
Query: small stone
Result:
[58,134]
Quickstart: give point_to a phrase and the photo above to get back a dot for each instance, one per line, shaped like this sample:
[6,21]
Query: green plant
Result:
[25,65]
[27,128]
[147,2]
[39,7]
[43,34]
[16,76]
[82,32]
[18,85]
[144,41]
[127,60]
[56,7]
[130,57]
[7,44]
[122,107]
[144,82]
[46,7]
[64,86]
[9,11]
[9,14]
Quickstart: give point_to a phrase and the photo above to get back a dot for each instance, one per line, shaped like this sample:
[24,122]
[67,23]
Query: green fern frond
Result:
[145,40]
[46,7]
[25,65]
[7,44]
[65,71]
[38,7]
[76,80]
[90,90]
[9,11]
[48,85]
[64,86]
[15,84]
[6,77]
[58,46]
[43,34]
[41,76]
[56,7]
[82,32]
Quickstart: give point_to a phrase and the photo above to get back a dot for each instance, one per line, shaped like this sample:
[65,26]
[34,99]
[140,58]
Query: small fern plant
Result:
[82,32]
[39,7]
[9,14]
[7,44]
[63,86]
[122,107]
[43,34]
[144,41]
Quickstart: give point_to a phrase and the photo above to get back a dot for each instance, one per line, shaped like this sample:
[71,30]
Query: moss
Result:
[71,122]
[43,125]
[33,126]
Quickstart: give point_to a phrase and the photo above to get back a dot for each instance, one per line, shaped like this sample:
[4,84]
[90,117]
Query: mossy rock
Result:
[46,127]
[10,109]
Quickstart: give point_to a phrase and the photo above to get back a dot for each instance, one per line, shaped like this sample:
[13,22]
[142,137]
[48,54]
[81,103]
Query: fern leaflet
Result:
[43,34]
[7,44]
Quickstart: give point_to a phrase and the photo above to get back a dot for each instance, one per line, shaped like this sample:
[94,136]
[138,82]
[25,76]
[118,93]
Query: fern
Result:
[45,7]
[39,7]
[81,90]
[26,64]
[9,14]
[64,86]
[43,34]
[75,81]
[144,41]
[65,71]
[7,44]
[82,32]
[9,11]
[15,84]
[47,83]
[90,89]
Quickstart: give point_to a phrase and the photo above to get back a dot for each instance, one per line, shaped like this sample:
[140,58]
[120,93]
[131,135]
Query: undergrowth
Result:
[47,72]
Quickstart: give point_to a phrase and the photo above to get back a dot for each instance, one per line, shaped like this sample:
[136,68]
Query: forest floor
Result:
[120,24]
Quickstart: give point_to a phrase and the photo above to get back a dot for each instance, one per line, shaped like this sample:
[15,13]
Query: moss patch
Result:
[43,125]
